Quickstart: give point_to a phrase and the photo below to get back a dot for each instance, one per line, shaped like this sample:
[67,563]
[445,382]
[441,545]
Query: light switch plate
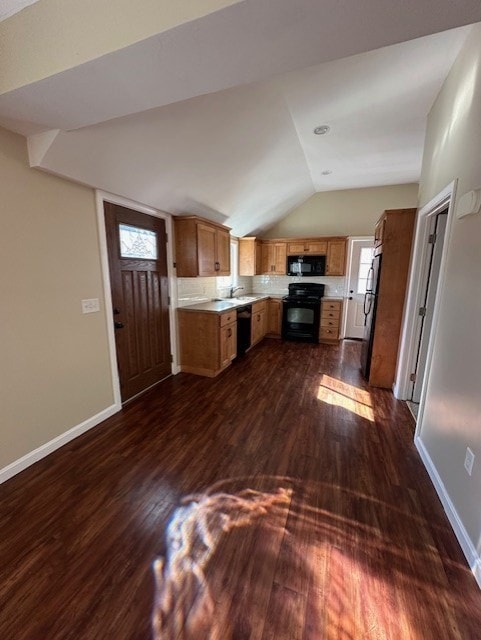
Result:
[91,305]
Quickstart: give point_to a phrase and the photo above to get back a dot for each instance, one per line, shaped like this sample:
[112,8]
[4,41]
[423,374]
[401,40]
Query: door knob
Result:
[119,325]
[116,311]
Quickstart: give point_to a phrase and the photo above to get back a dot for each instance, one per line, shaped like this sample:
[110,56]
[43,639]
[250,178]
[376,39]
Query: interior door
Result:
[138,274]
[436,243]
[361,253]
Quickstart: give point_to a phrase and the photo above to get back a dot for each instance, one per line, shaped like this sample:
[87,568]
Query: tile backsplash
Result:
[335,286]
[194,290]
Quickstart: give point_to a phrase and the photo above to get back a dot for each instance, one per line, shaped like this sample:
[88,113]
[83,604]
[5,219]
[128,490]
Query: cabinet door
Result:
[317,248]
[280,258]
[267,252]
[296,248]
[336,258]
[274,317]
[228,343]
[258,330]
[206,250]
[313,247]
[222,266]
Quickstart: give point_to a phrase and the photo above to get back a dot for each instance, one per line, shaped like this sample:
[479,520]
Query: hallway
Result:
[283,500]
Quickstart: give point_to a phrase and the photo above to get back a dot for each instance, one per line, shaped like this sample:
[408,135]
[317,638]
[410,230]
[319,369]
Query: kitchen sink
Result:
[224,304]
[236,299]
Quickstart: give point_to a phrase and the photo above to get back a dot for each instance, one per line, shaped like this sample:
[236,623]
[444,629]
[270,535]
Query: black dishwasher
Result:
[244,315]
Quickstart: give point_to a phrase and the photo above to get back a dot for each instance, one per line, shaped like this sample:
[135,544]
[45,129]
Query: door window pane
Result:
[365,261]
[137,243]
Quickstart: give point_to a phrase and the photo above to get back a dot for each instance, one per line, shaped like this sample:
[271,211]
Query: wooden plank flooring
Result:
[284,500]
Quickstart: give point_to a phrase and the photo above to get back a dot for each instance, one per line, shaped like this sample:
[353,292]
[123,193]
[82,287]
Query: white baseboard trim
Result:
[37,454]
[468,548]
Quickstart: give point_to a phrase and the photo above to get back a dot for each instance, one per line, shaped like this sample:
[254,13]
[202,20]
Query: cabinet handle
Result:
[229,333]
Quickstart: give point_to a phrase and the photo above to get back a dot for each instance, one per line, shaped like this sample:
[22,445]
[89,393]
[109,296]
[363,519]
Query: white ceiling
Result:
[215,117]
[10,7]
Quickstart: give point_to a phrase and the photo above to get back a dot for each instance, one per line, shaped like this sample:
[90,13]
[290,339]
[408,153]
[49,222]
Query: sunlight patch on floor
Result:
[185,605]
[347,396]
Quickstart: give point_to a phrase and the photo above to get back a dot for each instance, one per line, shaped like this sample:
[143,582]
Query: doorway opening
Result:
[359,260]
[426,286]
[433,253]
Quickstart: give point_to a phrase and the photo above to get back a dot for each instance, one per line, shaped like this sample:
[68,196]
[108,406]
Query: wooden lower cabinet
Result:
[274,318]
[259,322]
[208,341]
[331,314]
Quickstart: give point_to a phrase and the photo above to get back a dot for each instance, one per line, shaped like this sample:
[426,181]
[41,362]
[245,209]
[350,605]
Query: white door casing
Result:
[356,273]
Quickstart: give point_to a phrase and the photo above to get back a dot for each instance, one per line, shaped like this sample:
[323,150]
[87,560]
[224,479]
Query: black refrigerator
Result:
[370,307]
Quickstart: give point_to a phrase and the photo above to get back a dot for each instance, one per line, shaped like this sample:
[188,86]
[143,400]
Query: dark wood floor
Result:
[298,510]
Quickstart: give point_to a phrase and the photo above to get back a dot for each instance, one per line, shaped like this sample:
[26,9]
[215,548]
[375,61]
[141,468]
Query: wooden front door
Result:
[138,274]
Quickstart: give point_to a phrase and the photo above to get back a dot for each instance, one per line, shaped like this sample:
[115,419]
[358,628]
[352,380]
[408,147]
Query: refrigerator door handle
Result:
[370,275]
[367,310]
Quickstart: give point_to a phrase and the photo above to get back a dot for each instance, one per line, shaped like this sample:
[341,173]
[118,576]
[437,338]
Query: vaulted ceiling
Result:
[215,116]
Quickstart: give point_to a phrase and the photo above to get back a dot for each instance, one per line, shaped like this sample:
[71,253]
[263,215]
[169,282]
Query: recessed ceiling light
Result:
[321,130]
[326,172]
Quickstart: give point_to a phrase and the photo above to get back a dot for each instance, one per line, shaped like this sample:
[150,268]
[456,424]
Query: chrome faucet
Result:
[233,290]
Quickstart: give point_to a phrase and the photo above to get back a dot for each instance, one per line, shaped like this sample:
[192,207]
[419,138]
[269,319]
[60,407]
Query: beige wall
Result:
[351,212]
[452,417]
[55,370]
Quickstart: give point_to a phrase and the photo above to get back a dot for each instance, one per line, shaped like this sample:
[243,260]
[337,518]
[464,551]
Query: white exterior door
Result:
[360,253]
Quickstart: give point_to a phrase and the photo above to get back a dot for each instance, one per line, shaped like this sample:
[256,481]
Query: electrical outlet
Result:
[469,460]
[91,305]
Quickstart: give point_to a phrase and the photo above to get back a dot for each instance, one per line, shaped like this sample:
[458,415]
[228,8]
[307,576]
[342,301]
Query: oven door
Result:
[300,320]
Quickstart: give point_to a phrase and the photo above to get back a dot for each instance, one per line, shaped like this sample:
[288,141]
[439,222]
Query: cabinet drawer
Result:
[227,318]
[330,322]
[331,313]
[257,307]
[327,333]
[334,304]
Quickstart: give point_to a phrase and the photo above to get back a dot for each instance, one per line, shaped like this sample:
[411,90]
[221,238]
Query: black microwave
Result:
[306,265]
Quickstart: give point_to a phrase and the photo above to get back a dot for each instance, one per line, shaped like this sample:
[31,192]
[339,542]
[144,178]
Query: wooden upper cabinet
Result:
[202,247]
[379,231]
[306,247]
[274,257]
[206,243]
[336,257]
[250,256]
[223,252]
